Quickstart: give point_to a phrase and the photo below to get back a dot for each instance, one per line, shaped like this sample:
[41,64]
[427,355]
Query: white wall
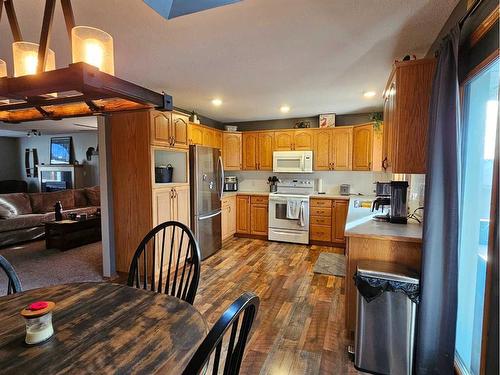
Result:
[10,164]
[361,182]
[81,142]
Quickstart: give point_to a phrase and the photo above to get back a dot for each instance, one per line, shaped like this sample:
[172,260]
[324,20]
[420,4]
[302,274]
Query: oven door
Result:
[277,214]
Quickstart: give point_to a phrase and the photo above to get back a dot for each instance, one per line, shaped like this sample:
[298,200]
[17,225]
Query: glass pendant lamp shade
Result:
[94,47]
[3,69]
[26,58]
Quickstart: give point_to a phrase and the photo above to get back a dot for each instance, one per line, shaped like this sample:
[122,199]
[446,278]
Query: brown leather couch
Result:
[23,215]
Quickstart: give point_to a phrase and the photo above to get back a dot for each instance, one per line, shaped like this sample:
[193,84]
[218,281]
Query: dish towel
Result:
[302,218]
[293,208]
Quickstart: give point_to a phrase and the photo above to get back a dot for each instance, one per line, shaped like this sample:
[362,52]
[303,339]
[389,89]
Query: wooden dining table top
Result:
[101,328]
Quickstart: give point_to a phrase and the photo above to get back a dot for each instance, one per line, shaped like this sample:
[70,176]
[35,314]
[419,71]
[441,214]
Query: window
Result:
[480,124]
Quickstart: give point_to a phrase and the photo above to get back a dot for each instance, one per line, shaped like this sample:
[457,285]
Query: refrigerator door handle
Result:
[221,166]
[209,216]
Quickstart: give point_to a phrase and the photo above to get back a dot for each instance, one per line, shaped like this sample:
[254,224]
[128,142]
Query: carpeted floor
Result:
[330,264]
[38,267]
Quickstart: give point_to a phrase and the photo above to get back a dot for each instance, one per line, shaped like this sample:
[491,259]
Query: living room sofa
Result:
[23,215]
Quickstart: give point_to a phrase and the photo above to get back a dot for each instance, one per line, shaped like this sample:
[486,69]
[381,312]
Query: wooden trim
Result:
[491,250]
[485,26]
[327,243]
[481,66]
[254,236]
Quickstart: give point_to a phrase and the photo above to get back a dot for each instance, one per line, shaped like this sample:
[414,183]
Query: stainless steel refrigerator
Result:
[206,180]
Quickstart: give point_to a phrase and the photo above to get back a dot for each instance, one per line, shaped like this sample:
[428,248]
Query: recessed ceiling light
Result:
[217,102]
[369,94]
[284,109]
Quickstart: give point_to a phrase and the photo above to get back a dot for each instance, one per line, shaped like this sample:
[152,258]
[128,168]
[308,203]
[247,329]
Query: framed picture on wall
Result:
[327,120]
[61,150]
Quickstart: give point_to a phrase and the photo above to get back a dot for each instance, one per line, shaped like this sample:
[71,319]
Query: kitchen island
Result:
[379,241]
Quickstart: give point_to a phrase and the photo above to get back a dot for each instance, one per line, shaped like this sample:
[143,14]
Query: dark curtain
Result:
[436,322]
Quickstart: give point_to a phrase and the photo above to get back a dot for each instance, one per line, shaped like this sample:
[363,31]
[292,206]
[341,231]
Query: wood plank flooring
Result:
[300,324]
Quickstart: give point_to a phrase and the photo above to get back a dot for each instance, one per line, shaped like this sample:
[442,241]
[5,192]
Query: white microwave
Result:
[293,161]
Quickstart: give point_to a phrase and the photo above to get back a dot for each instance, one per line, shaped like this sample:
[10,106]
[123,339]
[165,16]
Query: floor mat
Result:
[330,264]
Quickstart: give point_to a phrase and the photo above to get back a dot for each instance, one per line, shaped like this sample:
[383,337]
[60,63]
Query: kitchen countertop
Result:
[410,232]
[314,195]
[239,192]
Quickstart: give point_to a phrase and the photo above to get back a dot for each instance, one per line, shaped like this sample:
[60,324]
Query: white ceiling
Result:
[317,56]
[69,125]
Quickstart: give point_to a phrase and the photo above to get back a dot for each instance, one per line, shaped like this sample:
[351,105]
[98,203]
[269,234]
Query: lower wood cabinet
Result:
[228,217]
[171,204]
[327,220]
[252,215]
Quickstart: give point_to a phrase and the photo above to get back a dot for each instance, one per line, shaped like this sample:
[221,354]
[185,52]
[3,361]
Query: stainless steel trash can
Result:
[386,310]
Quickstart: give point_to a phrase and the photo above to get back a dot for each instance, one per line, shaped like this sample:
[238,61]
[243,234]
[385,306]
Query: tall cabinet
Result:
[140,141]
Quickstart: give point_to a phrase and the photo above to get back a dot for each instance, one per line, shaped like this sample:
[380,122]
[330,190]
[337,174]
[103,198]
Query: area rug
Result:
[38,267]
[330,264]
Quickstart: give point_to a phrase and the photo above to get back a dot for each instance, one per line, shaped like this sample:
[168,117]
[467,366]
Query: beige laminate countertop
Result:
[314,195]
[228,194]
[387,231]
[331,196]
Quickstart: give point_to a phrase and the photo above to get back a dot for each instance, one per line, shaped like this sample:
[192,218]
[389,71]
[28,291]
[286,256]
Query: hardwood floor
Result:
[300,325]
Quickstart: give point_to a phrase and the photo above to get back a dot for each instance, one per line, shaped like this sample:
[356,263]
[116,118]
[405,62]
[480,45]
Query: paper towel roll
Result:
[320,185]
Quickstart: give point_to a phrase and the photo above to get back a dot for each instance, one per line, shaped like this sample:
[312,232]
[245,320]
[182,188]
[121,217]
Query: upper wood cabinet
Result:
[333,149]
[283,140]
[169,129]
[231,151]
[179,130]
[258,150]
[208,137]
[303,140]
[406,116]
[342,148]
[195,134]
[218,139]
[290,140]
[362,148]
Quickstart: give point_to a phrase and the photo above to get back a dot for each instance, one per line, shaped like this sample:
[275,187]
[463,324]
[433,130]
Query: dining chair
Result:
[13,283]
[248,305]
[167,261]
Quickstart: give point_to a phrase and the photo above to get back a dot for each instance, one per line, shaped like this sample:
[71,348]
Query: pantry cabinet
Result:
[258,151]
[171,204]
[333,149]
[406,116]
[228,221]
[231,151]
[169,129]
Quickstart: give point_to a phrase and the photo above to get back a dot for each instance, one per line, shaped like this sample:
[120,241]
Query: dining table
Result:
[103,328]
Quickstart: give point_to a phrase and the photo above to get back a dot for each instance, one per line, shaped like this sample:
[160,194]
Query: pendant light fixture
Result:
[86,87]
[3,69]
[94,47]
[25,56]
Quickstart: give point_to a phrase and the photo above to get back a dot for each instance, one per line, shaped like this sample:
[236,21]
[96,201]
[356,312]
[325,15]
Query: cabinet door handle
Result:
[175,193]
[229,208]
[384,163]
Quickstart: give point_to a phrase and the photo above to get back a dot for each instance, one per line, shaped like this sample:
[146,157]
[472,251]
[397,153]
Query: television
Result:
[61,150]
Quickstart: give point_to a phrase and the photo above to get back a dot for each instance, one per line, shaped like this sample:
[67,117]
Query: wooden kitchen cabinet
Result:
[252,215]
[208,137]
[303,140]
[218,139]
[258,151]
[231,151]
[283,140]
[169,129]
[259,219]
[339,218]
[342,148]
[195,134]
[171,204]
[367,148]
[179,130]
[243,214]
[406,116]
[333,149]
[228,220]
[294,140]
[327,221]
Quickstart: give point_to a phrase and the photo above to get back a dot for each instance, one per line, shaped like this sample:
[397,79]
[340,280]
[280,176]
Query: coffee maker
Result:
[392,193]
[399,207]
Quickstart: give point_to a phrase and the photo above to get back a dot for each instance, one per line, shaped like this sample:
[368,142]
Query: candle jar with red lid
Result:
[38,319]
